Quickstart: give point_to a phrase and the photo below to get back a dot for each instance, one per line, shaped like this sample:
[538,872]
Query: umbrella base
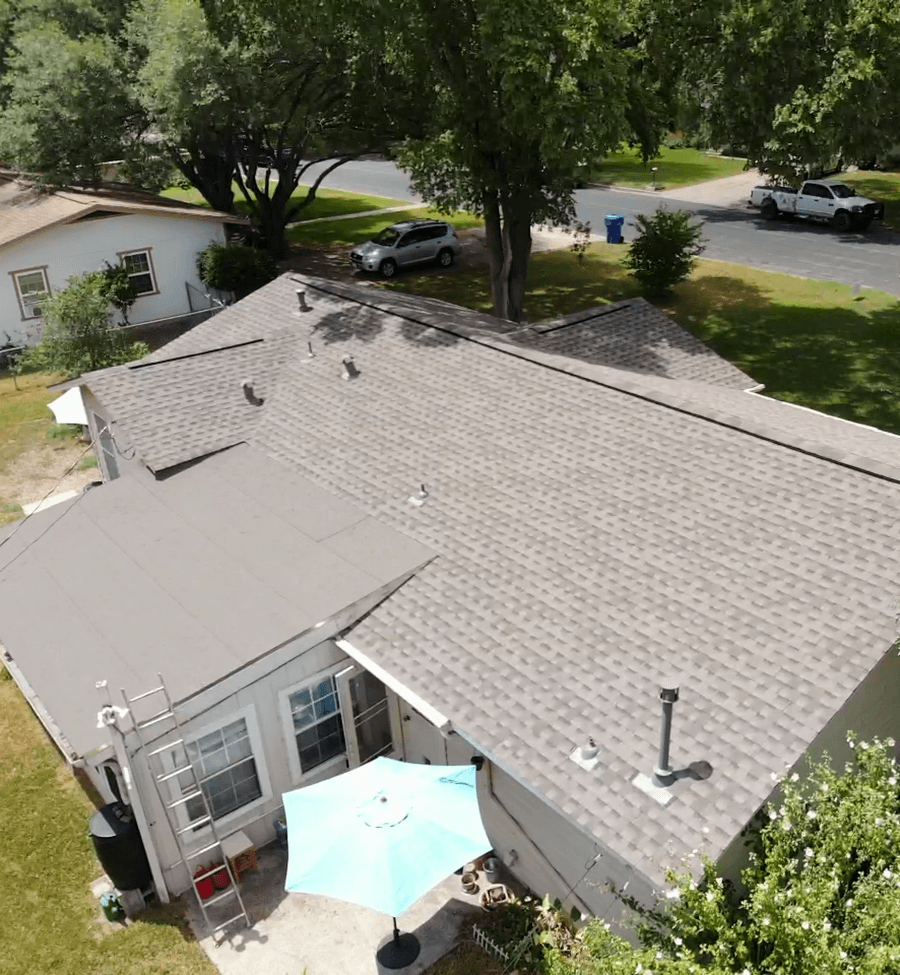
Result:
[398,950]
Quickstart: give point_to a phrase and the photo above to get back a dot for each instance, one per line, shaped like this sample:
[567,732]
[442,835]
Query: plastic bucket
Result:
[492,870]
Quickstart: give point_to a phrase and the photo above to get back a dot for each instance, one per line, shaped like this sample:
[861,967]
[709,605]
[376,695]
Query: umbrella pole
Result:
[398,950]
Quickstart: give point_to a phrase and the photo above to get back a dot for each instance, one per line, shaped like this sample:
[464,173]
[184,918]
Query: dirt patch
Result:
[41,469]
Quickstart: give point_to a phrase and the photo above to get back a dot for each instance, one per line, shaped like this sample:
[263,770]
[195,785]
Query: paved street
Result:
[739,235]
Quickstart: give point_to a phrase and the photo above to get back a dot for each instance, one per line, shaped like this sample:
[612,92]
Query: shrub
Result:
[78,333]
[665,251]
[235,268]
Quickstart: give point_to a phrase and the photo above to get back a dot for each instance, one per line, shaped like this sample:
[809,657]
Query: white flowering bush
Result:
[821,895]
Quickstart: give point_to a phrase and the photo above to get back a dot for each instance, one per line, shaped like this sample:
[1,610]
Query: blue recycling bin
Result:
[614,223]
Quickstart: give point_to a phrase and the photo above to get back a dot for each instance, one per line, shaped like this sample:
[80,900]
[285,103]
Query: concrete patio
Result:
[296,933]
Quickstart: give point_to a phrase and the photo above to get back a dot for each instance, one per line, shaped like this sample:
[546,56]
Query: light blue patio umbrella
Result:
[382,835]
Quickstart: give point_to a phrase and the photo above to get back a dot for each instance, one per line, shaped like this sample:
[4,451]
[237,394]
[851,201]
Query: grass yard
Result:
[345,233]
[676,167]
[328,203]
[24,417]
[810,342]
[49,922]
[877,186]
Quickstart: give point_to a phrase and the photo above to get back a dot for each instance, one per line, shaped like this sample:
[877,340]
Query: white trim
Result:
[28,302]
[440,721]
[333,765]
[146,251]
[227,823]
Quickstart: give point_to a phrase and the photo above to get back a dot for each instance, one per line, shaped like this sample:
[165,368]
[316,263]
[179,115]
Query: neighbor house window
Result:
[31,289]
[224,763]
[315,712]
[140,269]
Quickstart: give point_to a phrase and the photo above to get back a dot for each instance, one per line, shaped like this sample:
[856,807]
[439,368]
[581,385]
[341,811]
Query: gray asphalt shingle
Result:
[597,528]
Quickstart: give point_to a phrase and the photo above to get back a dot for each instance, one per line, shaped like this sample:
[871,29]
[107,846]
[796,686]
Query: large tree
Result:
[796,83]
[526,94]
[247,91]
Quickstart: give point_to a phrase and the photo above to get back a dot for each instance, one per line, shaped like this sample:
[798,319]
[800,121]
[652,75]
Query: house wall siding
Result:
[257,821]
[872,710]
[174,243]
[552,854]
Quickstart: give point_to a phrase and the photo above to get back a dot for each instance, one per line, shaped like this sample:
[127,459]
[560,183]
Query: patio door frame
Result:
[342,680]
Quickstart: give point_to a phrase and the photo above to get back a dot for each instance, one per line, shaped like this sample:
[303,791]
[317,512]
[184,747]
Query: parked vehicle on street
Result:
[834,203]
[407,243]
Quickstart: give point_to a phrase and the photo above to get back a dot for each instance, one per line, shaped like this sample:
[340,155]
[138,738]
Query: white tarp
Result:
[69,408]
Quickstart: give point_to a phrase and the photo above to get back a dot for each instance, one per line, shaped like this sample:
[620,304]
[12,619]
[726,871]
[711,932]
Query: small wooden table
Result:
[241,853]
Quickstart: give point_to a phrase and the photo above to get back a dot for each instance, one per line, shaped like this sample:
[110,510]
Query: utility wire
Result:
[12,534]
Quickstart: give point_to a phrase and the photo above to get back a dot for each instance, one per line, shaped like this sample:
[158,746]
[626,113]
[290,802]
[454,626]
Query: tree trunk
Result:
[508,235]
[211,175]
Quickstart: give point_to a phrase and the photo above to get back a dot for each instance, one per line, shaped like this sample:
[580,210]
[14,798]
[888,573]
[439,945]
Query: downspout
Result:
[108,717]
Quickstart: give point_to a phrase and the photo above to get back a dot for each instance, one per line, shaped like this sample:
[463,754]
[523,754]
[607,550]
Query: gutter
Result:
[440,721]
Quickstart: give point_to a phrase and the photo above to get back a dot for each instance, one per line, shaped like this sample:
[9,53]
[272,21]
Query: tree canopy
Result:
[245,92]
[525,95]
[796,84]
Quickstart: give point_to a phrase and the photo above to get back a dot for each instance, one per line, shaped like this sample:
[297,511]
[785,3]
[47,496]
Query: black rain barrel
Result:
[119,847]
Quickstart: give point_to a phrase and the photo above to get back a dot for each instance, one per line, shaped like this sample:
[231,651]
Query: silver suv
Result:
[410,242]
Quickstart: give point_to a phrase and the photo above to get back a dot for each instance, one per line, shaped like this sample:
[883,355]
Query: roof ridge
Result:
[651,392]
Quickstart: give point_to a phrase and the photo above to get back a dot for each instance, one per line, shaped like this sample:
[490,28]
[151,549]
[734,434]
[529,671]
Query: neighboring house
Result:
[47,236]
[349,522]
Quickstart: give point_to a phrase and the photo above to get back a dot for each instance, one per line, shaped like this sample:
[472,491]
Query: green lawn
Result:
[49,922]
[878,186]
[328,203]
[810,342]
[676,167]
[345,233]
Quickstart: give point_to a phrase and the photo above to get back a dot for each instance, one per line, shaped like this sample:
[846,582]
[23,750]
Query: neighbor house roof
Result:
[27,208]
[192,577]
[597,528]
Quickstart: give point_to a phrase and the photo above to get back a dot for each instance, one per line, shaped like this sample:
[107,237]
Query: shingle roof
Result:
[636,336]
[596,529]
[27,209]
[193,577]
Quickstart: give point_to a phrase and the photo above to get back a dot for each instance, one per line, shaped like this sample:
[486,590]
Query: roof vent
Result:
[301,300]
[251,397]
[668,694]
[587,756]
[419,498]
[350,370]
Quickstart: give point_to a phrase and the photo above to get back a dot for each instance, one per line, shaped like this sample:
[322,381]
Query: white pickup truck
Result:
[834,203]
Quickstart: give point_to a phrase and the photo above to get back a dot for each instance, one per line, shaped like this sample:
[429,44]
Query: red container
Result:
[220,878]
[204,886]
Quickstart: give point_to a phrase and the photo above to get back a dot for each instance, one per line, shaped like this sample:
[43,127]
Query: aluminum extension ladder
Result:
[167,737]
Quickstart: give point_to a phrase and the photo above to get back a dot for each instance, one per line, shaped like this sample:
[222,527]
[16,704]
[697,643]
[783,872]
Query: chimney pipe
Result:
[301,300]
[350,370]
[252,398]
[668,694]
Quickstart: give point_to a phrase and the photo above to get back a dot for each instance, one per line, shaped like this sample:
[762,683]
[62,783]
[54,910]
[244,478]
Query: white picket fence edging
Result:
[485,941]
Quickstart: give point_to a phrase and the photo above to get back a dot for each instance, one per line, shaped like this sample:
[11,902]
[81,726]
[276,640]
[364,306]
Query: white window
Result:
[228,761]
[31,288]
[316,719]
[339,718]
[140,269]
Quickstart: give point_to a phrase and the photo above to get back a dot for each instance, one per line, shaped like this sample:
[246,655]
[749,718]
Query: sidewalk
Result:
[730,191]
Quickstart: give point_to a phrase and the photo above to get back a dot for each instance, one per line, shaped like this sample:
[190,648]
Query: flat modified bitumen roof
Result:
[596,530]
[193,577]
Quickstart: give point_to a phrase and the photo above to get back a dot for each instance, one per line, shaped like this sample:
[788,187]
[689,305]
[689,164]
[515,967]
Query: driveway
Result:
[296,933]
[730,191]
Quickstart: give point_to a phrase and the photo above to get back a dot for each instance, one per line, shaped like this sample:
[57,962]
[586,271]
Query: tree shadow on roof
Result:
[349,322]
